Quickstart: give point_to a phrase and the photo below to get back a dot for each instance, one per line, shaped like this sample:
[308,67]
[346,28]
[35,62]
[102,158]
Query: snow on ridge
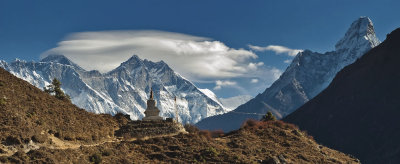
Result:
[124,89]
[232,103]
[210,94]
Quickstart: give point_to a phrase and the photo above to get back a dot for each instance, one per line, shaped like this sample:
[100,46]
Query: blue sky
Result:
[30,28]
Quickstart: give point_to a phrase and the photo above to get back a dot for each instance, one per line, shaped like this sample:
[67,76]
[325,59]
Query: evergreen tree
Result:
[268,117]
[55,89]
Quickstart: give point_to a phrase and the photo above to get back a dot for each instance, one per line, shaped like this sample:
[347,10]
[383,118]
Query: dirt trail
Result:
[56,143]
[60,144]
[8,150]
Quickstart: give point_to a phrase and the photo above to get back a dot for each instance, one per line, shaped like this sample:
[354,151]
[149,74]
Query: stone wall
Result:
[140,129]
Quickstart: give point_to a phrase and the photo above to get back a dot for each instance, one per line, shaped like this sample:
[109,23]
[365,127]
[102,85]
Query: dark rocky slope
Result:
[359,111]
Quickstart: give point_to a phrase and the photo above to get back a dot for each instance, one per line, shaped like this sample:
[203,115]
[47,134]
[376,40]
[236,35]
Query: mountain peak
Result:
[360,34]
[134,58]
[343,107]
[58,59]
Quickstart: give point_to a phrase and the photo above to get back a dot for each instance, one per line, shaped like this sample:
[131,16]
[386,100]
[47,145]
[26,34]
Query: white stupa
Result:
[152,112]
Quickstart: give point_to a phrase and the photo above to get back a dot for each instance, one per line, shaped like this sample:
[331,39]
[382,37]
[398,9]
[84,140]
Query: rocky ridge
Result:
[307,75]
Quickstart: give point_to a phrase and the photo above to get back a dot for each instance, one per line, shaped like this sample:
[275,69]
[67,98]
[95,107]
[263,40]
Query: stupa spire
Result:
[151,94]
[152,112]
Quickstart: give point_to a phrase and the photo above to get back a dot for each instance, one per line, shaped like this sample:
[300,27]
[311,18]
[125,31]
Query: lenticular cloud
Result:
[194,57]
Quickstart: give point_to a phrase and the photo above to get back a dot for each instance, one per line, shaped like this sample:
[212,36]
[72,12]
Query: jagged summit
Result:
[361,33]
[136,62]
[358,112]
[132,59]
[61,59]
[308,74]
[122,90]
[133,62]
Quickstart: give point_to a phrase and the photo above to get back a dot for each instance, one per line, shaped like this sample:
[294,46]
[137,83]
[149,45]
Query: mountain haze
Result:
[307,75]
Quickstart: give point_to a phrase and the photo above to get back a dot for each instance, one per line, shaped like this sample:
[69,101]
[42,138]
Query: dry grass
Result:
[276,140]
[23,115]
[27,113]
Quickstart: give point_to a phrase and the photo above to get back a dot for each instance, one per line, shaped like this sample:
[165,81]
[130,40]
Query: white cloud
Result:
[254,66]
[254,81]
[276,73]
[277,49]
[197,58]
[287,61]
[219,84]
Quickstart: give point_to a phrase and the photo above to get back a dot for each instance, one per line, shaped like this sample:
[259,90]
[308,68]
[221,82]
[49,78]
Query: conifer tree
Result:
[55,89]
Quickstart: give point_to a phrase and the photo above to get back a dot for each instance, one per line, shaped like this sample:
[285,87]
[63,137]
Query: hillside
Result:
[38,128]
[358,113]
[308,74]
[27,113]
[122,90]
[274,142]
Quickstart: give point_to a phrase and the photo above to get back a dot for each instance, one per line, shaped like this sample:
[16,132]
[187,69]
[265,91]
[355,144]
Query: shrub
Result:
[39,138]
[290,126]
[217,133]
[30,114]
[206,134]
[107,152]
[211,152]
[268,117]
[121,115]
[249,123]
[279,123]
[12,140]
[191,128]
[3,101]
[308,135]
[95,158]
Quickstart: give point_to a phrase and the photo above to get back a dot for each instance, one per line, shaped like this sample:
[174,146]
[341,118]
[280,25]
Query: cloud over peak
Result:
[277,49]
[196,58]
[219,84]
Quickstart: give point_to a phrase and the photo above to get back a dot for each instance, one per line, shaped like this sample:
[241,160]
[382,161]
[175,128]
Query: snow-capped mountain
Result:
[234,102]
[124,89]
[307,75]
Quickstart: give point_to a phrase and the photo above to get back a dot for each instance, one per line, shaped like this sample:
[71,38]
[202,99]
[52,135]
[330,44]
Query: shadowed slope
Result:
[359,112]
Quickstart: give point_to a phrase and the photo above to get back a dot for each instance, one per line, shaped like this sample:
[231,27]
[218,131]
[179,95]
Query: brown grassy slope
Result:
[27,113]
[256,143]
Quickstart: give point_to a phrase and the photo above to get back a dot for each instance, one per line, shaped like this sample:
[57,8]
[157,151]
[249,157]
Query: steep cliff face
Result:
[124,89]
[307,75]
[358,112]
